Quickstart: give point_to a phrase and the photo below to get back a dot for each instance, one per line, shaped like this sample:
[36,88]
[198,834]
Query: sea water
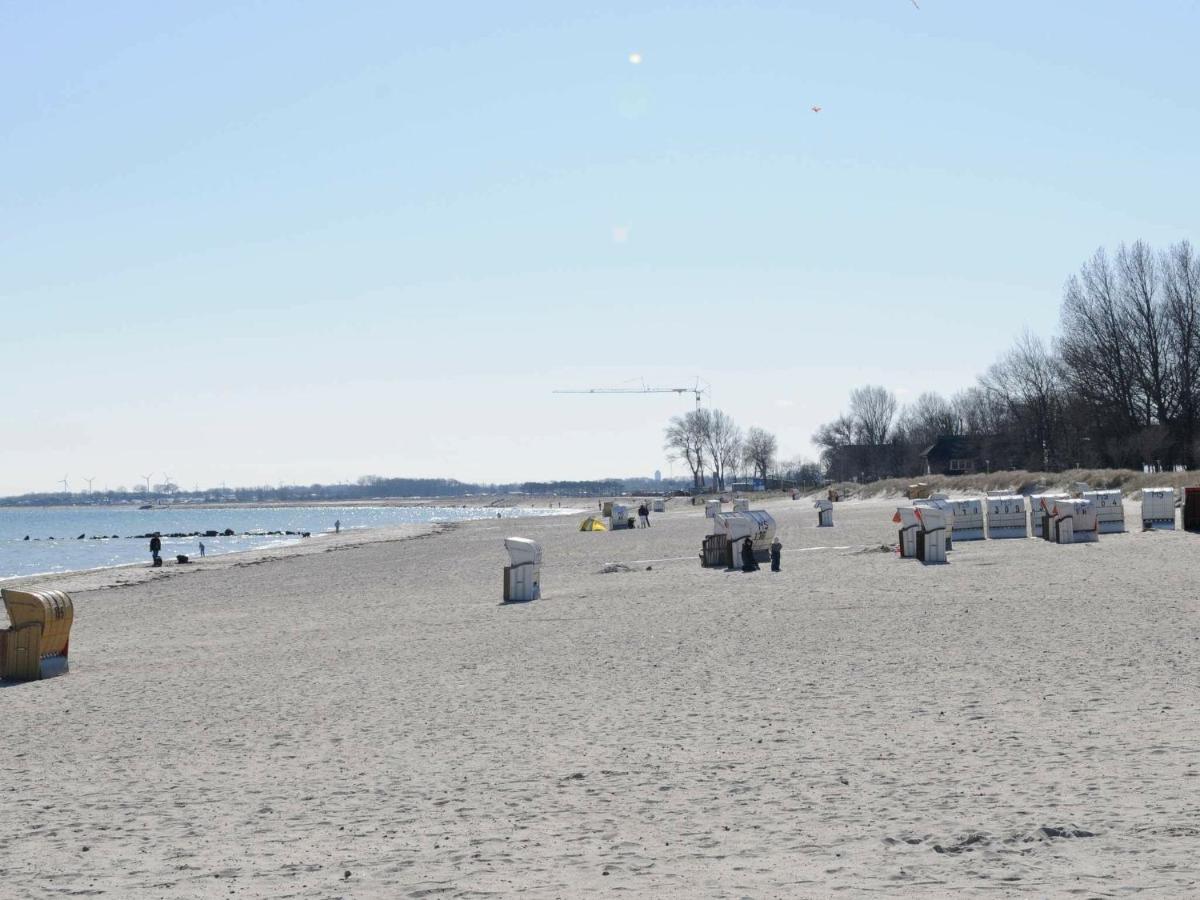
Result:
[73,538]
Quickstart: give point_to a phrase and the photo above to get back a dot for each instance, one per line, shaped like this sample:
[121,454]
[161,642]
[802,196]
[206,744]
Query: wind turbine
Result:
[166,480]
[147,478]
[66,486]
[89,481]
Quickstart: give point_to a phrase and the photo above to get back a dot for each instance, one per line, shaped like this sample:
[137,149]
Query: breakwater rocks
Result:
[228,532]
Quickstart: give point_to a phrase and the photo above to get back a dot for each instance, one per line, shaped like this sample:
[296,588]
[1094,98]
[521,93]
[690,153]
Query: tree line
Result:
[1119,387]
[715,450]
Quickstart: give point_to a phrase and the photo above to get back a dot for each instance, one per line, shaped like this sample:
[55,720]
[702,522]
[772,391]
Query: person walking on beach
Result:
[202,549]
[643,516]
[749,564]
[776,553]
[155,549]
[337,526]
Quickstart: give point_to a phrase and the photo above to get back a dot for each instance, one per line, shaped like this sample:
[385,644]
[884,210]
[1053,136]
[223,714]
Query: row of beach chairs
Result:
[931,525]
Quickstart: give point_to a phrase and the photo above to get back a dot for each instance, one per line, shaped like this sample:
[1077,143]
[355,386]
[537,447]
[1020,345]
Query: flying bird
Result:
[816,109]
[914,3]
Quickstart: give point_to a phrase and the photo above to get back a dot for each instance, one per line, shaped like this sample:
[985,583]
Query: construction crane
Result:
[699,389]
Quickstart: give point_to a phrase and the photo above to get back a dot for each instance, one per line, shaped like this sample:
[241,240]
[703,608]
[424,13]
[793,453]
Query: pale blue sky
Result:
[307,241]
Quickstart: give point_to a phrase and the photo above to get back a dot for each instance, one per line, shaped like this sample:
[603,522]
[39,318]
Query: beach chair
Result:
[1158,509]
[522,579]
[910,525]
[36,644]
[931,538]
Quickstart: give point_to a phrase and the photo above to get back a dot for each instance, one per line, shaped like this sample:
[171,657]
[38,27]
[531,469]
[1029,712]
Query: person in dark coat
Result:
[155,548]
[776,553]
[749,564]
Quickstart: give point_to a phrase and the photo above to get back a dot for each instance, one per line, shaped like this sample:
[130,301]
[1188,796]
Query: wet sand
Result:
[372,722]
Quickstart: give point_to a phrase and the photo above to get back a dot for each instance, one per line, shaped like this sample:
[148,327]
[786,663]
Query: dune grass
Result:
[1128,481]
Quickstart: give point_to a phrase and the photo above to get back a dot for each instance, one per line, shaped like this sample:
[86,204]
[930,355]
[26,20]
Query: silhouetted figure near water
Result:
[337,526]
[156,549]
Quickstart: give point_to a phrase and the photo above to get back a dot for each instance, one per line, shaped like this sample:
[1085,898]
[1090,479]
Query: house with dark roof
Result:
[953,454]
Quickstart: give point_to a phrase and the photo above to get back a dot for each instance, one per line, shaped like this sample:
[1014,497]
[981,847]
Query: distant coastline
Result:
[369,490]
[497,501]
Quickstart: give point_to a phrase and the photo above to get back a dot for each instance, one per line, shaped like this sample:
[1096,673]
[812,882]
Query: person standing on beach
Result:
[337,526]
[202,549]
[155,548]
[643,516]
[776,553]
[749,564]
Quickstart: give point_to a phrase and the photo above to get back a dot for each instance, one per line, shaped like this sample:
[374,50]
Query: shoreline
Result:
[319,541]
[289,542]
[107,577]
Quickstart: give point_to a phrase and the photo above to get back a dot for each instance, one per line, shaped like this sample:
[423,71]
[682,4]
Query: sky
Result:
[298,242]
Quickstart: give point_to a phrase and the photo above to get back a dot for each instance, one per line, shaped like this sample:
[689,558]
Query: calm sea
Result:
[55,544]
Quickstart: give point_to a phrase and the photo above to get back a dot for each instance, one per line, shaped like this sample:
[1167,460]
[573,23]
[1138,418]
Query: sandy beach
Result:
[362,717]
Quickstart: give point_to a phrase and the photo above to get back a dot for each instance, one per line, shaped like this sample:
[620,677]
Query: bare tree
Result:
[927,419]
[1099,361]
[1028,379]
[835,434]
[686,439]
[873,408]
[724,444]
[979,412]
[1139,287]
[1130,349]
[832,437]
[836,440]
[731,454]
[1181,287]
[760,448]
